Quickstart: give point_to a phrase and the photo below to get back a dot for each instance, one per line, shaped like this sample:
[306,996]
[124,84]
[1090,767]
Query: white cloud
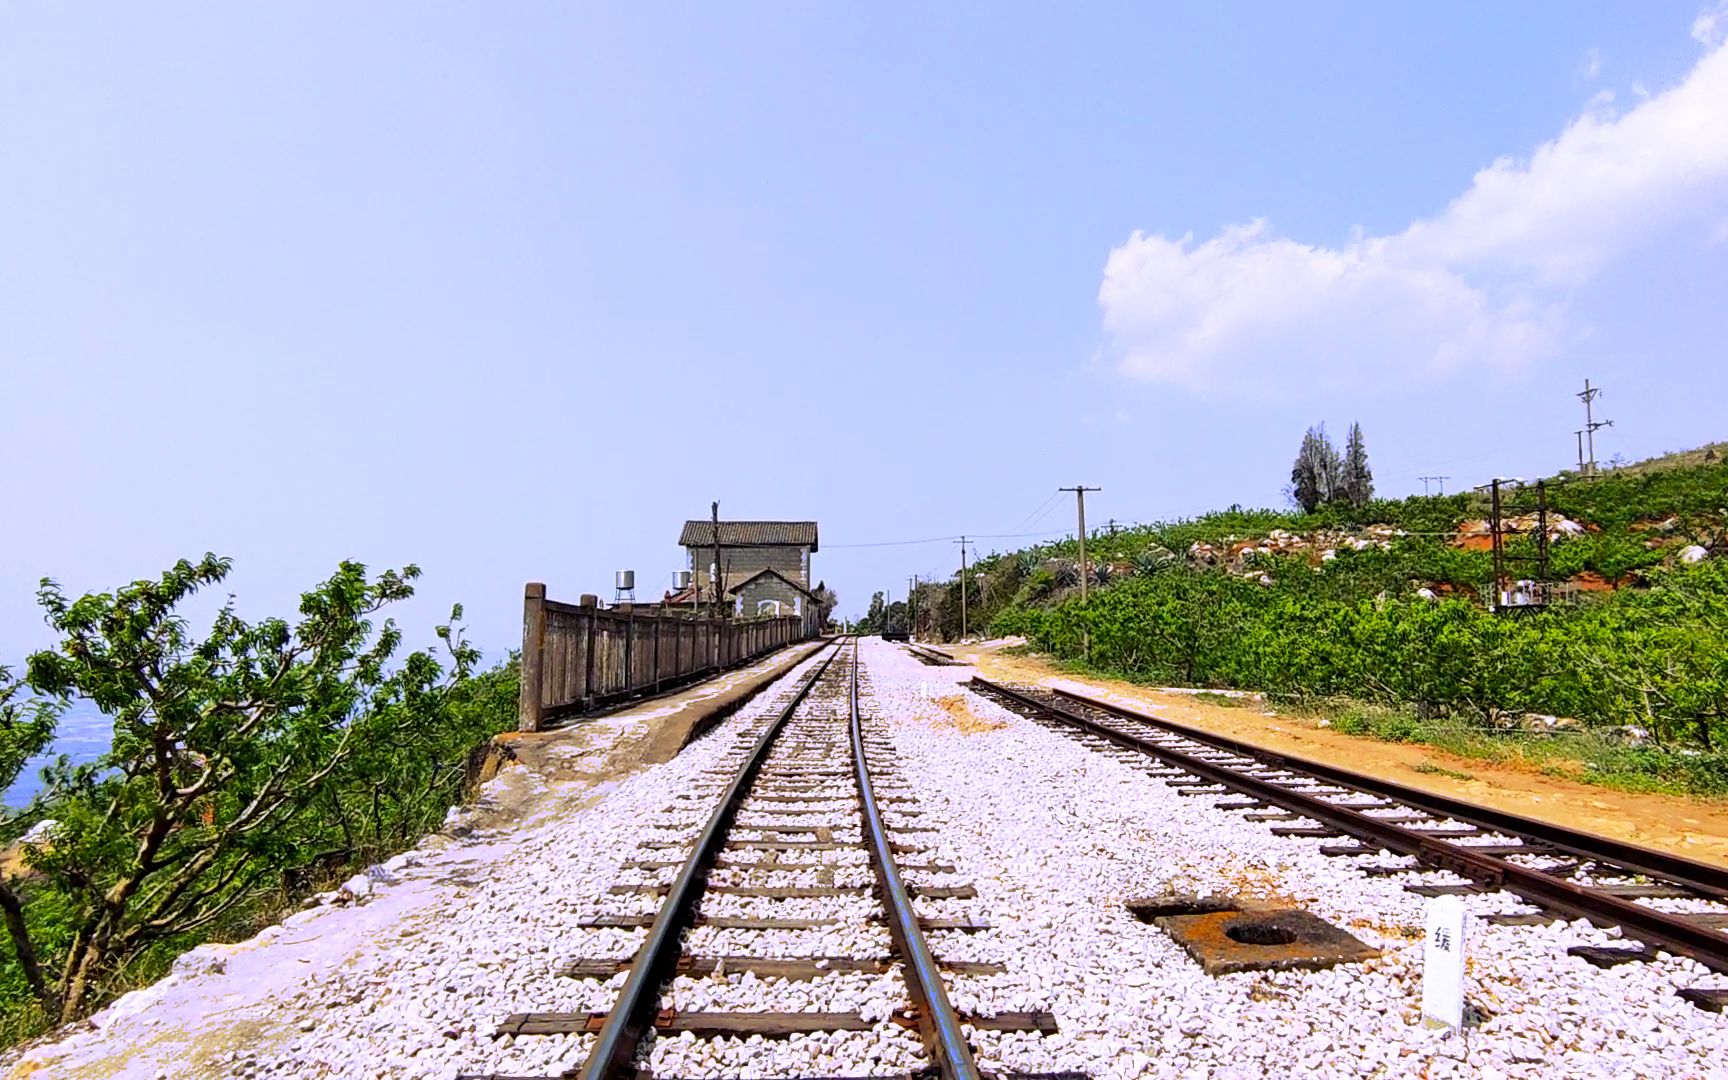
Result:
[1592,62]
[1711,27]
[1483,283]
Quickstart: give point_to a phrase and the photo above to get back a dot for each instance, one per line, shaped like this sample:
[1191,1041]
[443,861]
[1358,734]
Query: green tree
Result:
[826,601]
[223,752]
[872,622]
[896,616]
[1317,475]
[1358,485]
[26,729]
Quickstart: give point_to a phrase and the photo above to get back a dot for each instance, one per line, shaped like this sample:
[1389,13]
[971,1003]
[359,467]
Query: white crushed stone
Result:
[1059,836]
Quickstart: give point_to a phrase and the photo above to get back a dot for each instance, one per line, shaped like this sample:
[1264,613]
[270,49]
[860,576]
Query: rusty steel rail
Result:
[1710,882]
[932,656]
[632,1016]
[938,1023]
[1655,928]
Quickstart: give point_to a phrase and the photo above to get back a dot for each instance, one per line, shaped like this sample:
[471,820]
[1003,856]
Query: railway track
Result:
[802,840]
[931,657]
[1561,873]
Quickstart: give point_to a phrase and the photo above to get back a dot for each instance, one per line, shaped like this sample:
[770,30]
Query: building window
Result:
[767,607]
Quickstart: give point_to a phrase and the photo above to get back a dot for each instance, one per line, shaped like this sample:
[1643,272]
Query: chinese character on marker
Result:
[1442,939]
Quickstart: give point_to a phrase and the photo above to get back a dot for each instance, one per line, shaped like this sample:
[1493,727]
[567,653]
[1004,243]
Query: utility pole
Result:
[1588,395]
[1441,479]
[962,543]
[714,571]
[911,612]
[1497,539]
[1080,491]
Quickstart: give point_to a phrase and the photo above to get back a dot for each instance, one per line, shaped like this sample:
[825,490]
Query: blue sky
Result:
[510,290]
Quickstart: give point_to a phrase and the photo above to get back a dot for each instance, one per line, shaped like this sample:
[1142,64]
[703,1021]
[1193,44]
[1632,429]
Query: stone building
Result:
[746,549]
[764,566]
[767,593]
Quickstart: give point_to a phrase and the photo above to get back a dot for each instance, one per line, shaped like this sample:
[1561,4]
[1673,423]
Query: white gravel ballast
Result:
[1057,837]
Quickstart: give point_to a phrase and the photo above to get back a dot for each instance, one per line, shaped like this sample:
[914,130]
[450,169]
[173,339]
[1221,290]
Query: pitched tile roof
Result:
[734,590]
[740,533]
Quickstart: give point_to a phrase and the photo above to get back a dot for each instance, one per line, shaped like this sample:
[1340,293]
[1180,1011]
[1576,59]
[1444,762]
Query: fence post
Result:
[528,702]
[629,645]
[590,603]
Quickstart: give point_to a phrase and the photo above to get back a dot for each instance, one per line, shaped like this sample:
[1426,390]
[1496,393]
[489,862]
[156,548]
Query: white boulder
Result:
[359,887]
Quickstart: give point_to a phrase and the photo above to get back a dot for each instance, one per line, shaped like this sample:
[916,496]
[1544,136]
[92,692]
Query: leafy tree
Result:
[231,757]
[872,622]
[900,615]
[1358,486]
[826,601]
[1317,475]
[26,729]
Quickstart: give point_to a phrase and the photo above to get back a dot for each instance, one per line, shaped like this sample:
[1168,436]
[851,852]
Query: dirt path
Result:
[1694,828]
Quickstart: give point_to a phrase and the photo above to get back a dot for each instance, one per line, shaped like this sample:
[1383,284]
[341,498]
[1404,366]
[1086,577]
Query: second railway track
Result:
[1560,873]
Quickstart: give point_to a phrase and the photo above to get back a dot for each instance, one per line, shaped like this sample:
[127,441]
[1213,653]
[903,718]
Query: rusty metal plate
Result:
[1224,942]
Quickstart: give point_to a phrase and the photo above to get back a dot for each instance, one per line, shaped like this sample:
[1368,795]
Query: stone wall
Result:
[739,563]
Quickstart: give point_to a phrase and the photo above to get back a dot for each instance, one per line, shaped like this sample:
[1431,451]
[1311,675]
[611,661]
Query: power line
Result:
[894,543]
[1017,536]
[954,536]
[1042,509]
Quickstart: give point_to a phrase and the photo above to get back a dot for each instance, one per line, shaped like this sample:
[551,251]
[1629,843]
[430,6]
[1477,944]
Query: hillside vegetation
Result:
[1383,605]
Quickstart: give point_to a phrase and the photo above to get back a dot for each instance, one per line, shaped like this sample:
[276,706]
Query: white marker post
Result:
[1443,964]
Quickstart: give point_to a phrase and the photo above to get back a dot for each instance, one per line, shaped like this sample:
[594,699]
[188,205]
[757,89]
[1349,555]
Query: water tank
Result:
[624,579]
[682,578]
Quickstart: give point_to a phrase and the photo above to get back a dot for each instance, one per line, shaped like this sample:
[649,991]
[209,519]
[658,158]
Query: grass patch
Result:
[1223,701]
[1440,770]
[1581,756]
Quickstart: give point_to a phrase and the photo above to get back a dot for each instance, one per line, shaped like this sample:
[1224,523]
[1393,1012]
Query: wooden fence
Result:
[579,656]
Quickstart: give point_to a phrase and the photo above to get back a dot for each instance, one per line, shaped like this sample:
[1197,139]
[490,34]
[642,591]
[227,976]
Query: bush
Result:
[1649,661]
[1654,658]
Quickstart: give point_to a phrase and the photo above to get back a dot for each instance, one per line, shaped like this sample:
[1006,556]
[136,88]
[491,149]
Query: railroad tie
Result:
[794,968]
[1607,956]
[769,1025]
